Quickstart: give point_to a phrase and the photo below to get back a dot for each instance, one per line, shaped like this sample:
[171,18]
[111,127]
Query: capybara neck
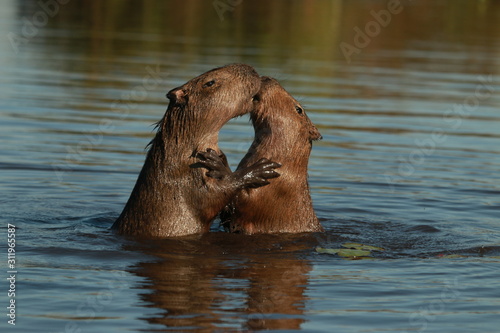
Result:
[182,133]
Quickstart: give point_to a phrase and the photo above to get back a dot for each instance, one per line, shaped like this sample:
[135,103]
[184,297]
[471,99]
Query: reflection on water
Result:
[207,282]
[409,162]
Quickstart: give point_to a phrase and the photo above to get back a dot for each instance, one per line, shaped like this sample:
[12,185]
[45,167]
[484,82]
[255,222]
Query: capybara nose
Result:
[176,95]
[315,134]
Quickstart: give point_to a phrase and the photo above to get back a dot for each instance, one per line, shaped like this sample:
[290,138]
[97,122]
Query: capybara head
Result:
[277,113]
[221,93]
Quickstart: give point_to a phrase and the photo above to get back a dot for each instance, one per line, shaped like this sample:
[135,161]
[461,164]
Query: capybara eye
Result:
[209,83]
[299,109]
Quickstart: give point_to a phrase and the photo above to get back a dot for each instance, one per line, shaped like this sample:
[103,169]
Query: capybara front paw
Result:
[257,174]
[215,163]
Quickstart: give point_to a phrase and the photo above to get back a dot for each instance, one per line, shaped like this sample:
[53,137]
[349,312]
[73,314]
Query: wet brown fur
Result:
[283,133]
[170,197]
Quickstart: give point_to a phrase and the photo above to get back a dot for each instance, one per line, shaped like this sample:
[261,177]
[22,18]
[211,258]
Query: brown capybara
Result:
[173,195]
[283,133]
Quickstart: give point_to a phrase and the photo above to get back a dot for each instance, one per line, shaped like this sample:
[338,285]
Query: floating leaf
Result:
[353,253]
[451,256]
[346,253]
[327,251]
[359,246]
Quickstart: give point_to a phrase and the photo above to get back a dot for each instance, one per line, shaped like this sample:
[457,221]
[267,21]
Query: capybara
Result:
[283,133]
[173,195]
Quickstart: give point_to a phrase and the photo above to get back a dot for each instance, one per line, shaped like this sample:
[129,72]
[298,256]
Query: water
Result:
[409,162]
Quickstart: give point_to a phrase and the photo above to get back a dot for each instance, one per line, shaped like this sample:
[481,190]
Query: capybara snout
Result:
[177,96]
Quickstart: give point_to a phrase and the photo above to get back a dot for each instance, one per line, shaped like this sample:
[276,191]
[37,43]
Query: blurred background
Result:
[405,94]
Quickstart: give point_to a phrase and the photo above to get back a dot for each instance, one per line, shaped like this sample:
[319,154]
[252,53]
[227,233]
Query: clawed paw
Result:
[257,174]
[216,164]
